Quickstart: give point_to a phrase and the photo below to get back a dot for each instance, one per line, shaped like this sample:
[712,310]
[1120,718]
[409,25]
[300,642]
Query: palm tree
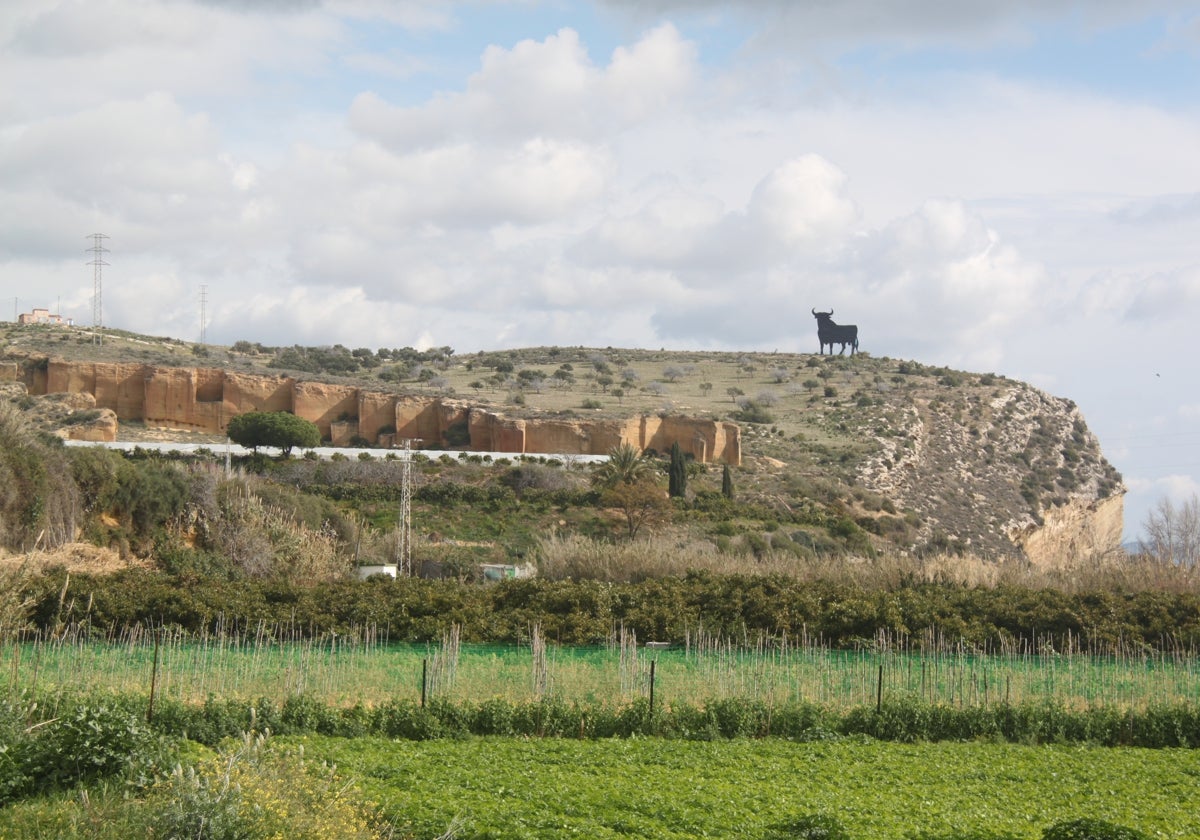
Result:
[625,465]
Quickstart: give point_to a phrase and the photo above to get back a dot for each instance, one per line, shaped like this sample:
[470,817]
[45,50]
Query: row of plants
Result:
[667,610]
[898,721]
[56,739]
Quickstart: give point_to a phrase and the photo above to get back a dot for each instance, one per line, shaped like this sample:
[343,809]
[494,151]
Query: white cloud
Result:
[648,78]
[548,88]
[667,231]
[1167,296]
[801,202]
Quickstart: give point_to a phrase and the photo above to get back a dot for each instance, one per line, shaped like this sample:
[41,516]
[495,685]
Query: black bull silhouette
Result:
[831,333]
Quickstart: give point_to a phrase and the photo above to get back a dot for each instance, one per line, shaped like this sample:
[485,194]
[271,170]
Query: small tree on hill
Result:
[273,428]
[625,465]
[727,483]
[642,503]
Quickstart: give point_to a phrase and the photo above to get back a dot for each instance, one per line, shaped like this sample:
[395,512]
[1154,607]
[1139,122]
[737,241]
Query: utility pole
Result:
[98,251]
[404,531]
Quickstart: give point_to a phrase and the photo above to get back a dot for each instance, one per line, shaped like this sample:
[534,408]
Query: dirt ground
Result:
[74,557]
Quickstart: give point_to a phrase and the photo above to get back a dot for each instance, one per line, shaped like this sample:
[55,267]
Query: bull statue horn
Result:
[814,312]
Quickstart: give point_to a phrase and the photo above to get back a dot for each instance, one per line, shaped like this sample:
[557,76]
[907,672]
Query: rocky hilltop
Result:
[914,457]
[1005,466]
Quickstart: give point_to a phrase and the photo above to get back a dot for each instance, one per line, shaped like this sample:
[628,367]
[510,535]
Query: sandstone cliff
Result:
[205,399]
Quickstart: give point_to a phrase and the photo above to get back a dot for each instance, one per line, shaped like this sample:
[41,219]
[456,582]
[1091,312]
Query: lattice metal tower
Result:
[404,527]
[98,251]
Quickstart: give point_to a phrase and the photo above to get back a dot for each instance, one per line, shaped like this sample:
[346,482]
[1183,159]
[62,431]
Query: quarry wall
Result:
[205,399]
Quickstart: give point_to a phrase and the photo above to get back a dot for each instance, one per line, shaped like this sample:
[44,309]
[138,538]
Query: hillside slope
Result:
[918,458]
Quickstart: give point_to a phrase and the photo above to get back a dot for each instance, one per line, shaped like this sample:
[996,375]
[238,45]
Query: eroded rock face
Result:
[1079,531]
[103,429]
[205,399]
[1004,470]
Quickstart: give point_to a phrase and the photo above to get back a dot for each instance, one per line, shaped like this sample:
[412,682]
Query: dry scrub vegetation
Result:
[842,457]
[573,557]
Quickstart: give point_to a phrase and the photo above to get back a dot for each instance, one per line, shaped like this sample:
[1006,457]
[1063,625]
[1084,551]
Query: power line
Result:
[98,251]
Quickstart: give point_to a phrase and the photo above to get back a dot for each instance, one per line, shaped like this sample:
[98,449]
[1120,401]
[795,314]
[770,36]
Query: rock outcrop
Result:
[205,399]
[1001,469]
[1079,530]
[101,429]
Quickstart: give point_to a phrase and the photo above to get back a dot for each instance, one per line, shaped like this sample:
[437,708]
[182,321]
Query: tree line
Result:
[740,608]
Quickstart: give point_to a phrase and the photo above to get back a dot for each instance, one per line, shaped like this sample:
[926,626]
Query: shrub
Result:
[251,791]
[809,827]
[83,742]
[1089,828]
[148,494]
[37,496]
[753,412]
[405,719]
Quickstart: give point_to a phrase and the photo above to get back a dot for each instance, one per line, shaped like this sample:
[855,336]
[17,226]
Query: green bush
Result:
[753,412]
[1089,828]
[38,499]
[81,741]
[148,494]
[809,827]
[405,719]
[15,747]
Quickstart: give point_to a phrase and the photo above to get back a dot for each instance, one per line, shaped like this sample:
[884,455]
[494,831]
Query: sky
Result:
[1010,186]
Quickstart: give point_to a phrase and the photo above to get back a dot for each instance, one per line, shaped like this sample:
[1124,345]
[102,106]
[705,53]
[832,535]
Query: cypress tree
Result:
[677,475]
[727,483]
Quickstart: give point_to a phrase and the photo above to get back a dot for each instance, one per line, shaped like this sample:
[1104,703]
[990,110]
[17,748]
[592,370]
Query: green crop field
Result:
[653,788]
[343,671]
